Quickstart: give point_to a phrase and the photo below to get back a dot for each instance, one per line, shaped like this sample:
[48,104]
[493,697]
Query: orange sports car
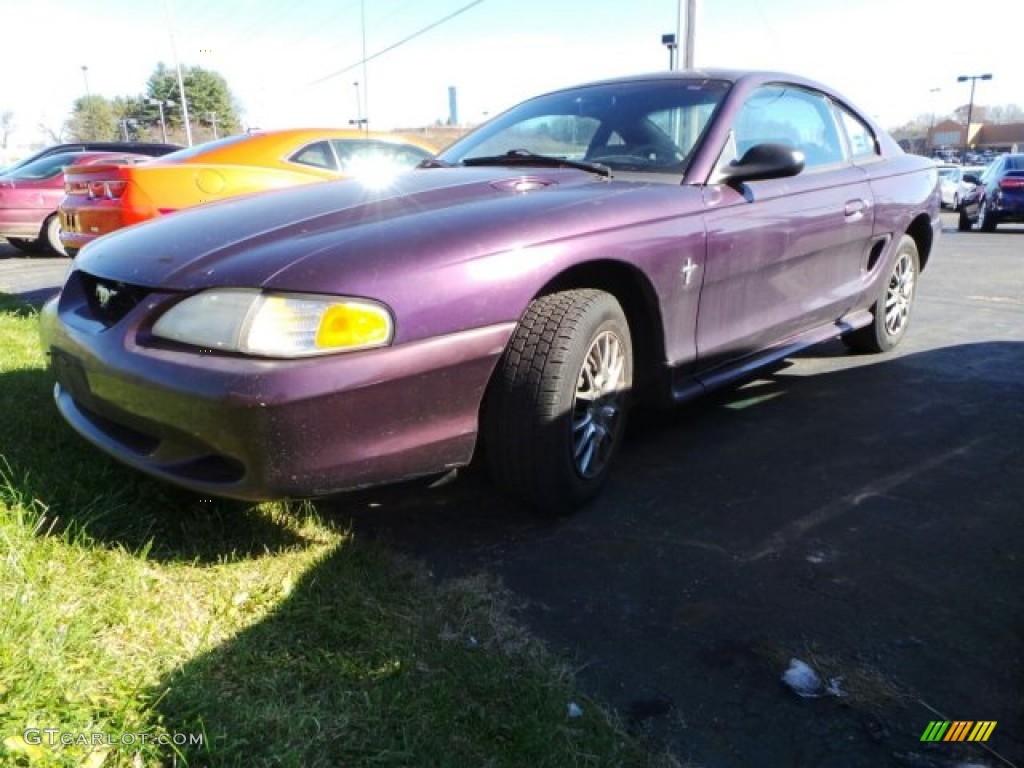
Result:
[102,198]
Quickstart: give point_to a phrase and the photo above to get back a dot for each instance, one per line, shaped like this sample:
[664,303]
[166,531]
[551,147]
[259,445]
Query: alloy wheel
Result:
[900,295]
[598,404]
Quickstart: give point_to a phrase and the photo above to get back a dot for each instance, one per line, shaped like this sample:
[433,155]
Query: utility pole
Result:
[88,105]
[181,81]
[686,19]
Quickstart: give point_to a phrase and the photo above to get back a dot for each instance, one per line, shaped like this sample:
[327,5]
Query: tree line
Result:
[212,111]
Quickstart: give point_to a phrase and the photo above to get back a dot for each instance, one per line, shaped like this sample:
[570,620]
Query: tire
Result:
[986,222]
[51,236]
[963,223]
[891,311]
[23,245]
[556,408]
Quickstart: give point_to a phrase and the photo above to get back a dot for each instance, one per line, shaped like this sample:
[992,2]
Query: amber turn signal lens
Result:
[353,325]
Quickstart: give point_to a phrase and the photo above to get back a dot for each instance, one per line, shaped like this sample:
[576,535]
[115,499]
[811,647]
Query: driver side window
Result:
[794,117]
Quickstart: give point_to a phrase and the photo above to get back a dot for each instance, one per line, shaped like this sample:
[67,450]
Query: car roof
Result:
[754,76]
[277,143]
[153,149]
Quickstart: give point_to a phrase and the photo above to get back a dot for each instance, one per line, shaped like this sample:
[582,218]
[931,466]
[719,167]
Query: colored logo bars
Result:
[958,730]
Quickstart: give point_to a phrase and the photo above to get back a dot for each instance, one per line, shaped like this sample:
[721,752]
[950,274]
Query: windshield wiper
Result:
[526,157]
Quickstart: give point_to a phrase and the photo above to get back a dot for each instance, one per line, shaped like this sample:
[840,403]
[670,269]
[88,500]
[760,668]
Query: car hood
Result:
[332,236]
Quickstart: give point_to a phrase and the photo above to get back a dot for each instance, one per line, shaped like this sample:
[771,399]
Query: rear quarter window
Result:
[316,155]
[862,141]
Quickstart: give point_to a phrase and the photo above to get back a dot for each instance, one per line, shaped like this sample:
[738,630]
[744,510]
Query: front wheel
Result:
[556,409]
[891,311]
[964,222]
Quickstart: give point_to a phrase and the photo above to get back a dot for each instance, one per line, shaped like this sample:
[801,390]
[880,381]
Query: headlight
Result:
[276,324]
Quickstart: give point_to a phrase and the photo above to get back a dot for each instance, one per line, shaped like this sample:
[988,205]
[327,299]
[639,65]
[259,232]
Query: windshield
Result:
[649,126]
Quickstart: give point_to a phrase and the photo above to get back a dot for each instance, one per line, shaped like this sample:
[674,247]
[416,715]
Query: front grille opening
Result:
[211,468]
[139,442]
[110,300]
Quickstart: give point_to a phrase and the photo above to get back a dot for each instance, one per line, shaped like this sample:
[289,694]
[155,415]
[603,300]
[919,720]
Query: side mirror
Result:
[764,161]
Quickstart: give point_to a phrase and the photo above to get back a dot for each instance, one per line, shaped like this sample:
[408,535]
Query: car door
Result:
[784,255]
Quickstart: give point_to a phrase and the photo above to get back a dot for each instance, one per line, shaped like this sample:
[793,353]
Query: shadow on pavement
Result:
[864,520]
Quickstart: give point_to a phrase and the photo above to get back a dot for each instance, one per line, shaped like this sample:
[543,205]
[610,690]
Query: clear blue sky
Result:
[278,56]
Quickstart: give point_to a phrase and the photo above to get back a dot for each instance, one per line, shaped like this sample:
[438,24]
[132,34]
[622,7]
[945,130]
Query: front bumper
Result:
[256,429]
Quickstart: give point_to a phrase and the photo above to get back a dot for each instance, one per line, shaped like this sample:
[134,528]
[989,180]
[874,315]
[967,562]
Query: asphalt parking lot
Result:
[859,513]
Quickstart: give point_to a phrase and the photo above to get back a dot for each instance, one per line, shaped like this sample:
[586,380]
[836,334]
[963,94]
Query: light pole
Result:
[669,41]
[364,110]
[931,128]
[161,103]
[970,109]
[360,121]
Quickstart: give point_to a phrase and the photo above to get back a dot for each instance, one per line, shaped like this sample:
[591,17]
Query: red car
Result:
[30,194]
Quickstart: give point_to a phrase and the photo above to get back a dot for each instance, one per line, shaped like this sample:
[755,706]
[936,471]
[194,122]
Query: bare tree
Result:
[55,136]
[1006,113]
[6,127]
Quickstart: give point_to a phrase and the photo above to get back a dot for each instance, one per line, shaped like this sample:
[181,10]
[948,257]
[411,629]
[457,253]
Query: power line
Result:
[401,42]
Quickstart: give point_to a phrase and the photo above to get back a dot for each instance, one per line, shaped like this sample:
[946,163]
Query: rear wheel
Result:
[51,235]
[556,409]
[891,312]
[986,222]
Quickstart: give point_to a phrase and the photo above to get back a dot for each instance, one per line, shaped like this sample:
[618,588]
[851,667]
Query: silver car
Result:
[952,186]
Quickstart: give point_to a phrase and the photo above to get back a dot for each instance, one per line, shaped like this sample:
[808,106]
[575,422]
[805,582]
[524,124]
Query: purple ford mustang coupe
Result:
[641,239]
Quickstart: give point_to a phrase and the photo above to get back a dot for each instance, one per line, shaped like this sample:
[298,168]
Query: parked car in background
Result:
[133,147]
[101,199]
[998,196]
[30,194]
[952,184]
[946,171]
[643,239]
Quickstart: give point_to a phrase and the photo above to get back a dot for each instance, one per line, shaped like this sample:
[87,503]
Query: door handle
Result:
[854,209]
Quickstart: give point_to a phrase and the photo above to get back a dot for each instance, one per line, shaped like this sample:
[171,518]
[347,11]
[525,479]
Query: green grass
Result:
[132,612]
